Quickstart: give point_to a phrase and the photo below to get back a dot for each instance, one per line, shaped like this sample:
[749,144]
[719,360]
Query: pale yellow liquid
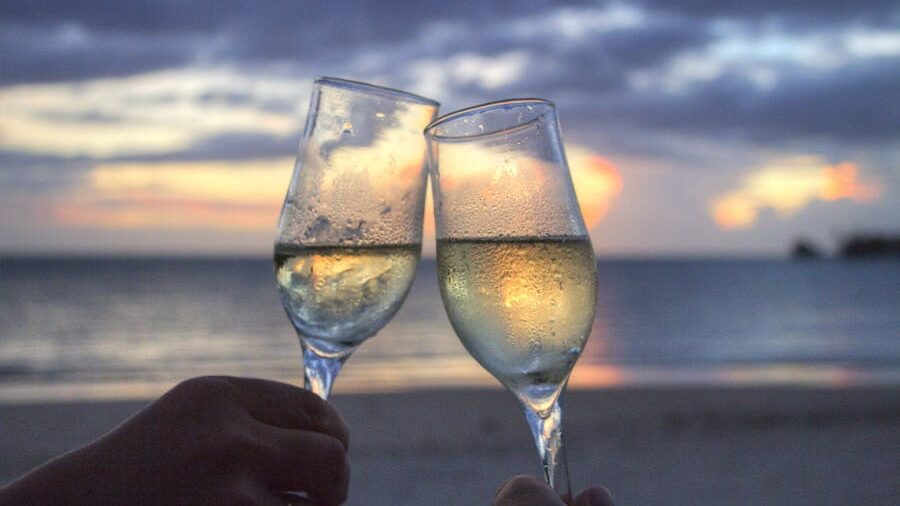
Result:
[522,307]
[343,295]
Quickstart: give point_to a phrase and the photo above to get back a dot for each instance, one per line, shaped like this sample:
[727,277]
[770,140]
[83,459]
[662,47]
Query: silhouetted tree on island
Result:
[805,249]
[870,246]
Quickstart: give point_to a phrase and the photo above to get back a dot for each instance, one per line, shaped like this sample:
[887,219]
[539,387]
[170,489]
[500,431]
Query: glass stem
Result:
[319,372]
[548,436]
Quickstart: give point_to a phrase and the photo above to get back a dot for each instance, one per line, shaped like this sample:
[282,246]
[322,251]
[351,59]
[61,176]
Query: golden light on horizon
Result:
[178,195]
[247,195]
[787,186]
[597,181]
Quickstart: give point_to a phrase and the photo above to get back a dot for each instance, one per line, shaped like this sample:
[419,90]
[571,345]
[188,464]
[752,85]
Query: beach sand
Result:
[650,446]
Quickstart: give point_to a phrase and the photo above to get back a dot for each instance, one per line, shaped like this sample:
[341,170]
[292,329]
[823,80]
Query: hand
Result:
[530,491]
[210,440]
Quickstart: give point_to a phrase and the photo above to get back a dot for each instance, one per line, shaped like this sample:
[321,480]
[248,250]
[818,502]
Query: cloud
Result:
[597,182]
[787,186]
[68,52]
[436,77]
[817,11]
[178,195]
[696,88]
[653,66]
[160,112]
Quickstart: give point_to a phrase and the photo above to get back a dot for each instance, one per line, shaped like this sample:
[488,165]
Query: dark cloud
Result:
[66,52]
[22,165]
[601,64]
[136,16]
[588,73]
[859,103]
[810,10]
[374,19]
[268,28]
[652,44]
[122,38]
[231,147]
[21,171]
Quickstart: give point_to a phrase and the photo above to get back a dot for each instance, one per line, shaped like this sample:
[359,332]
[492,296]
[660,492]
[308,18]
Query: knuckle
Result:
[518,487]
[334,462]
[202,397]
[242,498]
[313,405]
[202,386]
[527,481]
[335,451]
[344,435]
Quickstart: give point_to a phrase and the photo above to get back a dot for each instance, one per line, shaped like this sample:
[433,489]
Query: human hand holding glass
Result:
[516,266]
[350,230]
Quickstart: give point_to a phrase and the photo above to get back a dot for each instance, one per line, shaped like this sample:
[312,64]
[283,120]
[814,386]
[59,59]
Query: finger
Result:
[306,461]
[282,405]
[598,496]
[526,491]
[267,498]
[294,499]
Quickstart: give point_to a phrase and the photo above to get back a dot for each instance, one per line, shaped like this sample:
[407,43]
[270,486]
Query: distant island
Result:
[853,246]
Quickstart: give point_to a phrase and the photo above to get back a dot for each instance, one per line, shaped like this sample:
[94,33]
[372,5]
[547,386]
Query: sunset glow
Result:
[597,182]
[178,195]
[247,196]
[787,186]
[691,120]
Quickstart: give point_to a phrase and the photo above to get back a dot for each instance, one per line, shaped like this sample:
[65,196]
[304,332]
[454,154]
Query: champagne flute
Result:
[515,263]
[350,231]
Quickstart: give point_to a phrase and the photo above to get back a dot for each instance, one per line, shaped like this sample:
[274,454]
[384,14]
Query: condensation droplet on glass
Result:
[347,128]
[379,115]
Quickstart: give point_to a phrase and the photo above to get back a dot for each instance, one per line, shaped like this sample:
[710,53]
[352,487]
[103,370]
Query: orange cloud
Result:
[166,214]
[179,195]
[597,183]
[247,196]
[841,183]
[787,186]
[596,180]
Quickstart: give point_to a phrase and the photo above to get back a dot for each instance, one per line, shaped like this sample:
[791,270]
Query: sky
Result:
[692,128]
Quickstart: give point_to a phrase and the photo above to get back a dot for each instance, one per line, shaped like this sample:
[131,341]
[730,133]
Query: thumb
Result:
[526,491]
[597,496]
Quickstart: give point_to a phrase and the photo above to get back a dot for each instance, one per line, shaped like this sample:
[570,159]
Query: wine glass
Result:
[350,231]
[516,267]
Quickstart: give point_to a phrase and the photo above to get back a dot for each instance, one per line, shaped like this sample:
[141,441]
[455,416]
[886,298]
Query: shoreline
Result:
[396,376]
[734,445]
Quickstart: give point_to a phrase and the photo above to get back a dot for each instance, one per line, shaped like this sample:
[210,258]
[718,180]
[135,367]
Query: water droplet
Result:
[347,128]
[379,114]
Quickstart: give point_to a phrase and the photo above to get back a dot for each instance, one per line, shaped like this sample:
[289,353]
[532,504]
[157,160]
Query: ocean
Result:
[102,328]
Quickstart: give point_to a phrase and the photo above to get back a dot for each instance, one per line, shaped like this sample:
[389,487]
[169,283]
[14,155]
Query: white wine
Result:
[339,296]
[523,307]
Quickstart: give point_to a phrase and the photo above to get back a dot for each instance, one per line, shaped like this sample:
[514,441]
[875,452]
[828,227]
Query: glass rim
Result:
[487,106]
[340,82]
